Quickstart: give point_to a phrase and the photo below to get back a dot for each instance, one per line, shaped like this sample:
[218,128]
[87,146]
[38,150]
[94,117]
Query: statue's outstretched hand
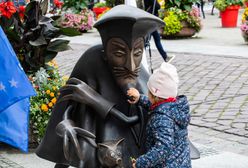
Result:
[83,93]
[69,132]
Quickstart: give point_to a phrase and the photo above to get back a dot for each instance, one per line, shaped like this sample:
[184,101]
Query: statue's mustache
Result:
[125,73]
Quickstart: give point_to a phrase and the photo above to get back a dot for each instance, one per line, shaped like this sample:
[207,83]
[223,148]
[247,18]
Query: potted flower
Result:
[228,11]
[46,82]
[244,25]
[82,22]
[32,34]
[99,8]
[180,23]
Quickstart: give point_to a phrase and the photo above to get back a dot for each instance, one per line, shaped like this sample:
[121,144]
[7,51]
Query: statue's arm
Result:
[83,93]
[67,130]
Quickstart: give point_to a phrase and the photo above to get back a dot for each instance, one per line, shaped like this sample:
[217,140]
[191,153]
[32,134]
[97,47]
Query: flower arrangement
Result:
[46,83]
[223,4]
[244,25]
[176,19]
[82,22]
[32,34]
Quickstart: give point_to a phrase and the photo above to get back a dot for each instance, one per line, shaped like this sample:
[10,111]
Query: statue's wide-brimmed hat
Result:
[128,23]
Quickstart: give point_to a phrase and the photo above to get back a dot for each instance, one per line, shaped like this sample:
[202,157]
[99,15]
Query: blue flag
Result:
[15,90]
[14,122]
[14,84]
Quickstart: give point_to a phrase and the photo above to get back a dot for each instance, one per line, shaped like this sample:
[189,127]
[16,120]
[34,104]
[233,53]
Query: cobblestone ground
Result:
[6,163]
[217,89]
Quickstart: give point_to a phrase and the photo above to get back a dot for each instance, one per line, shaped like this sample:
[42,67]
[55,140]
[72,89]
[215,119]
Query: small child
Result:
[167,135]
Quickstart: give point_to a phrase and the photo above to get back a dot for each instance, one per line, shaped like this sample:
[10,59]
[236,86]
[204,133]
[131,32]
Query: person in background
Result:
[152,6]
[166,142]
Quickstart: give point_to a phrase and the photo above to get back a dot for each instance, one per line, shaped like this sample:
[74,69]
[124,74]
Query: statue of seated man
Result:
[92,124]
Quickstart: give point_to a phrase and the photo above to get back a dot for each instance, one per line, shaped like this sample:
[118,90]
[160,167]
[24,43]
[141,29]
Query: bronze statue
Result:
[93,109]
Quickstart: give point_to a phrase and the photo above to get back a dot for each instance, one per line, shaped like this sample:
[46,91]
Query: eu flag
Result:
[15,90]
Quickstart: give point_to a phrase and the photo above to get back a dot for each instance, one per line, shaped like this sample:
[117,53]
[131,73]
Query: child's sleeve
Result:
[144,102]
[163,136]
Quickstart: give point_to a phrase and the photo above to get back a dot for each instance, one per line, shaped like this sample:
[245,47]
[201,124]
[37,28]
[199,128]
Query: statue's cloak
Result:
[93,70]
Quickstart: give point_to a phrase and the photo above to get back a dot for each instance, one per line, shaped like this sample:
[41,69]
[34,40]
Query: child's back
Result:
[167,135]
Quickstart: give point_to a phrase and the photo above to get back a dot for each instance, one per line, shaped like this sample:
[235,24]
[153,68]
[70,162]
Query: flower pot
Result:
[245,36]
[229,16]
[99,10]
[185,32]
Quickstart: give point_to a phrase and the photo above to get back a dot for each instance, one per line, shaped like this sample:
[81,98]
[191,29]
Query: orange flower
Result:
[54,100]
[50,104]
[44,107]
[7,9]
[52,94]
[48,91]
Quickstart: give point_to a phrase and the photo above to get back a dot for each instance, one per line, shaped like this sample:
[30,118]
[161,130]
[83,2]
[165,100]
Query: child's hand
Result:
[134,93]
[133,162]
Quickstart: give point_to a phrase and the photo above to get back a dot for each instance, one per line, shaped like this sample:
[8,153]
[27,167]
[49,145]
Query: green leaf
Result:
[58,45]
[12,35]
[70,32]
[5,22]
[49,56]
[38,42]
[44,20]
[187,7]
[177,2]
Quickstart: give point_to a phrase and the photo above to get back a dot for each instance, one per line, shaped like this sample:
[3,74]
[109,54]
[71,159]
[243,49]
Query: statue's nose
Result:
[118,161]
[130,65]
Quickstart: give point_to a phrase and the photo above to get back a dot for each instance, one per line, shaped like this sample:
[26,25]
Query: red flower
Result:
[57,3]
[21,11]
[7,9]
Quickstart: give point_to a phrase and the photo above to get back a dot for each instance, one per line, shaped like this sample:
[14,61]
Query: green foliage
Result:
[32,36]
[47,84]
[223,4]
[112,3]
[100,4]
[173,24]
[181,4]
[75,5]
[175,18]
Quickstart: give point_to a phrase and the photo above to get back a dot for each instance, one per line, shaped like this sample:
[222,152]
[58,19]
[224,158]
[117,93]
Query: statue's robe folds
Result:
[93,70]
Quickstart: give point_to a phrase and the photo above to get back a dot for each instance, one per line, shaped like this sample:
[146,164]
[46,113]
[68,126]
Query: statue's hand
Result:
[83,93]
[67,130]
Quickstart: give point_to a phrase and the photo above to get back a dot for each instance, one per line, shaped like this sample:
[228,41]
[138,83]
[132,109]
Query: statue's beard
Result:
[122,72]
[125,78]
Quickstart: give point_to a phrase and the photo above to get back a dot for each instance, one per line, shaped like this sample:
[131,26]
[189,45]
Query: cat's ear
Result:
[120,141]
[102,145]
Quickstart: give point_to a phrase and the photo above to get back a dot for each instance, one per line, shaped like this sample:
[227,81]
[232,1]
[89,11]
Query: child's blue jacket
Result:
[167,136]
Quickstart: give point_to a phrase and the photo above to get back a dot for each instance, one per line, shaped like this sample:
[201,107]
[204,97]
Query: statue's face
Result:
[125,62]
